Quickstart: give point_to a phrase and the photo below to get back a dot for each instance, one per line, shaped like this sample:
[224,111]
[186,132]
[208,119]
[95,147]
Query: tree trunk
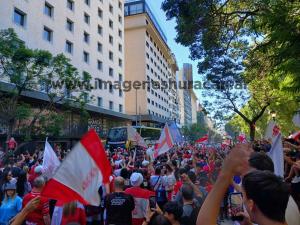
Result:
[252,131]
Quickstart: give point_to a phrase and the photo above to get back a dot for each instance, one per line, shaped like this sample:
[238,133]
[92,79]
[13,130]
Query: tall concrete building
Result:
[148,58]
[89,32]
[194,106]
[187,96]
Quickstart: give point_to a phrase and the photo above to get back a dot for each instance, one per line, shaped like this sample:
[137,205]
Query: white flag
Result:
[50,161]
[134,136]
[276,152]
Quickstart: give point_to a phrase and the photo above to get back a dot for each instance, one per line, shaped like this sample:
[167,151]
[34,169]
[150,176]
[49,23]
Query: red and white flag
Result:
[134,136]
[202,139]
[273,134]
[50,161]
[242,138]
[295,135]
[165,142]
[81,174]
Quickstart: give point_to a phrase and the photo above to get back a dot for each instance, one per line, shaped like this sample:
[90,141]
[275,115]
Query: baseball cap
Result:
[136,179]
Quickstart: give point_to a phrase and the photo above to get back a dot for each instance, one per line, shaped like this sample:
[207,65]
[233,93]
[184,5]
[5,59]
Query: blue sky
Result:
[182,53]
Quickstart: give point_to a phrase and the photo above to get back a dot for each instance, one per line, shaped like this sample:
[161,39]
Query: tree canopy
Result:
[253,42]
[26,70]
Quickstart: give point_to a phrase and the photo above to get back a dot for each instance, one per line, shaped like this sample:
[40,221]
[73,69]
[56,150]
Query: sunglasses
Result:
[9,175]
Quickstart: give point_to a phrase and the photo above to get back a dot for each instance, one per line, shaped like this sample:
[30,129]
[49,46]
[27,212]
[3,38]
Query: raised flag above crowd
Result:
[273,134]
[165,142]
[50,161]
[81,174]
[134,136]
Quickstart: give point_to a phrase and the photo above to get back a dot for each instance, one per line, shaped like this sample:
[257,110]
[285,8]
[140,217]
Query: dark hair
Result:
[124,173]
[169,168]
[157,171]
[159,220]
[192,176]
[174,163]
[182,171]
[261,161]
[4,179]
[174,208]
[187,191]
[268,192]
[22,179]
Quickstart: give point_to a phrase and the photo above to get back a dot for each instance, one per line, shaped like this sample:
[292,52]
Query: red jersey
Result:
[79,217]
[37,216]
[141,199]
[12,144]
[177,187]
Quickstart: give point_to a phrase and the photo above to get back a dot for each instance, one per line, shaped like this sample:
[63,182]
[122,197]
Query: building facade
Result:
[149,60]
[88,32]
[194,106]
[187,97]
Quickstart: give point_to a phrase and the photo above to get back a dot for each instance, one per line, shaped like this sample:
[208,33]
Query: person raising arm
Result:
[235,163]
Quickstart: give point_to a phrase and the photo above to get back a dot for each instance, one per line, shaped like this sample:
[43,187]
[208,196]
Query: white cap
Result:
[136,179]
[145,163]
[38,169]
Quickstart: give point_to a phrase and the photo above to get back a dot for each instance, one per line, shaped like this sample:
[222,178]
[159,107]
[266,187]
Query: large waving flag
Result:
[50,161]
[175,132]
[81,174]
[165,142]
[276,153]
[202,139]
[134,136]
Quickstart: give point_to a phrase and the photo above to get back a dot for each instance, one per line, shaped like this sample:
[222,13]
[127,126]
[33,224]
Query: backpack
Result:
[192,219]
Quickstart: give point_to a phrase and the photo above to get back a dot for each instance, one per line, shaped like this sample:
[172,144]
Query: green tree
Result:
[35,70]
[241,41]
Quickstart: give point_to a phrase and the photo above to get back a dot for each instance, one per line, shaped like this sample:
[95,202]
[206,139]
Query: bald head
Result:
[119,183]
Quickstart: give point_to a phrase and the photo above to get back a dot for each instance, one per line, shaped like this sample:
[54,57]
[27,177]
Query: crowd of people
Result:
[190,184]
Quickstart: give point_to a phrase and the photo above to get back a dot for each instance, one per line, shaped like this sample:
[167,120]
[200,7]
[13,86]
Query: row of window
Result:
[159,51]
[157,66]
[49,11]
[110,88]
[71,5]
[157,114]
[157,105]
[20,19]
[110,104]
[157,95]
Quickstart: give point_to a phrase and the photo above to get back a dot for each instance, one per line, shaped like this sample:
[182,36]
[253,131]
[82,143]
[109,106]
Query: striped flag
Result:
[165,142]
[202,139]
[81,174]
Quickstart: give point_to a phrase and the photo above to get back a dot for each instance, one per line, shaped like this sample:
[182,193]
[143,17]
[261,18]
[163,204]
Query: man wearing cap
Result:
[140,196]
